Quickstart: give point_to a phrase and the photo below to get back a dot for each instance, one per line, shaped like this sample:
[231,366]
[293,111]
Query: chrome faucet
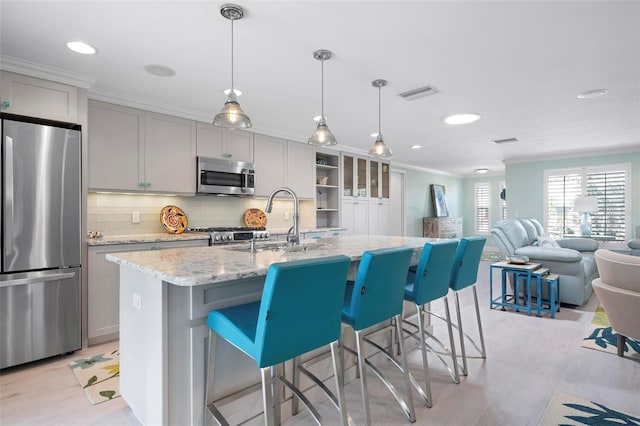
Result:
[295,238]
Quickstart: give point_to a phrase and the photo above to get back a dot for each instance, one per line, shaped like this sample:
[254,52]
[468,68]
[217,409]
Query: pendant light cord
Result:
[379,113]
[322,89]
[232,86]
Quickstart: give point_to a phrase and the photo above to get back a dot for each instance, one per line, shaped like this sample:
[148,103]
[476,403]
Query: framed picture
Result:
[439,200]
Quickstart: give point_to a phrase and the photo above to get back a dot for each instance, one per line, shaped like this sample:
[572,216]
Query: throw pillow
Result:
[547,242]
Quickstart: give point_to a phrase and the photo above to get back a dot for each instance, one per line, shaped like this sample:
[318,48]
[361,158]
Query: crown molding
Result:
[45,72]
[574,154]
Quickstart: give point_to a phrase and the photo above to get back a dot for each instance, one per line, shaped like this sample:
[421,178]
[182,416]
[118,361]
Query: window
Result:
[482,197]
[610,184]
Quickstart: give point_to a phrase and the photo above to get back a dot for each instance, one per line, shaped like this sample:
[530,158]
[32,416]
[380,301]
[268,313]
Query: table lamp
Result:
[585,205]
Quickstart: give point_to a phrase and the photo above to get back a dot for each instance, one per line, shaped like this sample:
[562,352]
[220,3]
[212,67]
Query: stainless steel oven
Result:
[216,176]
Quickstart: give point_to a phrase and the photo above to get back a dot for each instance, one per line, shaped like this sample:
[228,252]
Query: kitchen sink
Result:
[275,246]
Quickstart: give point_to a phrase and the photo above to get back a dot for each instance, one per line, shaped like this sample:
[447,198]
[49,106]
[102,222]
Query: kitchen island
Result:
[165,297]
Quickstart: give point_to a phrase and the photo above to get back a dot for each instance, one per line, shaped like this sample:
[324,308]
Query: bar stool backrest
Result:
[301,308]
[378,291]
[465,266]
[432,276]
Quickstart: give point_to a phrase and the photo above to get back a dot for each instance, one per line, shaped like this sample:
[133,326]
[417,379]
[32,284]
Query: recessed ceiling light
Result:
[416,146]
[481,171]
[238,92]
[592,93]
[159,70]
[81,47]
[462,118]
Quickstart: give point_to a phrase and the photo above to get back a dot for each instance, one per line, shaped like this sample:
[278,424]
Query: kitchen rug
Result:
[99,376]
[601,337]
[568,410]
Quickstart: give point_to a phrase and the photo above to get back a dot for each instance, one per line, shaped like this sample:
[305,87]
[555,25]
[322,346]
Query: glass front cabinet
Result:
[379,179]
[354,182]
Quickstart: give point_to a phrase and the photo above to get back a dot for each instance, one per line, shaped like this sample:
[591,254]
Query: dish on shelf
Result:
[255,218]
[173,219]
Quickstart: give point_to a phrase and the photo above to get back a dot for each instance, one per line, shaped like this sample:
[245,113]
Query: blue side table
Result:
[523,272]
[553,303]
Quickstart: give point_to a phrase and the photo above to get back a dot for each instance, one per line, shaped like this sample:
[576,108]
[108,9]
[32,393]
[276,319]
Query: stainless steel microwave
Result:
[217,176]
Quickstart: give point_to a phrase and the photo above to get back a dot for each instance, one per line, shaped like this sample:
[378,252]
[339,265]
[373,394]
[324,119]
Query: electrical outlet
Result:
[286,215]
[137,301]
[135,217]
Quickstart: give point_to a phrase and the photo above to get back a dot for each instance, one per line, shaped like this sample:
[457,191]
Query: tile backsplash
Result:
[112,213]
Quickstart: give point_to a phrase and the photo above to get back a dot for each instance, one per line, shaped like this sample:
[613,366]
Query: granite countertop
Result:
[146,238]
[203,265]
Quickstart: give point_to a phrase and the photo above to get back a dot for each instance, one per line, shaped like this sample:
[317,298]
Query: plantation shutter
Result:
[562,190]
[482,207]
[609,187]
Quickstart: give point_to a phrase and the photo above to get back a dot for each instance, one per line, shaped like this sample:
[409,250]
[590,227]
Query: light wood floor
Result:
[528,360]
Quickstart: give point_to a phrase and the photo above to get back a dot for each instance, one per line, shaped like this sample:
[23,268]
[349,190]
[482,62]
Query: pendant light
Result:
[232,116]
[379,150]
[322,135]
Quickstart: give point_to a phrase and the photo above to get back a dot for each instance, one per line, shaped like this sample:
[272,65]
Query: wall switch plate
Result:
[135,217]
[137,301]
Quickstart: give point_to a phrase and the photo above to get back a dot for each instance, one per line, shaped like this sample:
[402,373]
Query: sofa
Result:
[571,258]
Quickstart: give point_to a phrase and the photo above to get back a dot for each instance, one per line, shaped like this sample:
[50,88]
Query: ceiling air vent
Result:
[420,92]
[507,140]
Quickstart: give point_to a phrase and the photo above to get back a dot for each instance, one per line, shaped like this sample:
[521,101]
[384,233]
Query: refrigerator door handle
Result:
[40,278]
[8,194]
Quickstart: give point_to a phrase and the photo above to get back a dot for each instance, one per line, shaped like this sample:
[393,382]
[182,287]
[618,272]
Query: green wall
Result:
[418,197]
[525,189]
[525,183]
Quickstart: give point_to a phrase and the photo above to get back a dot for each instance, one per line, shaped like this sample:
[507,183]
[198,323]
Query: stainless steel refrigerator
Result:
[40,234]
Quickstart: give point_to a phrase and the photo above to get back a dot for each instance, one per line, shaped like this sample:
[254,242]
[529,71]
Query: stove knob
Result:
[229,237]
[217,238]
[266,234]
[259,235]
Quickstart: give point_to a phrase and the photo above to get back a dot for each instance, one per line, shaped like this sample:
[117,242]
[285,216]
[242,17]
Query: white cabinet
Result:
[217,142]
[379,179]
[300,173]
[23,95]
[170,154]
[269,154]
[133,150]
[327,189]
[354,180]
[104,286]
[355,216]
[379,218]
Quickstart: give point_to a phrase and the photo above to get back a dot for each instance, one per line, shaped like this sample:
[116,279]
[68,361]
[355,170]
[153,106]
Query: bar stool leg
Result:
[452,349]
[209,408]
[338,372]
[475,297]
[296,382]
[425,363]
[411,413]
[267,395]
[363,376]
[461,333]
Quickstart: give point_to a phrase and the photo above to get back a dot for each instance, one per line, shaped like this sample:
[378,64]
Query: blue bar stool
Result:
[300,311]
[377,296]
[429,282]
[463,275]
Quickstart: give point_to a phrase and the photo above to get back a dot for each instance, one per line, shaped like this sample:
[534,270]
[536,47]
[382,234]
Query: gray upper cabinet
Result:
[300,169]
[216,142]
[23,95]
[135,150]
[269,155]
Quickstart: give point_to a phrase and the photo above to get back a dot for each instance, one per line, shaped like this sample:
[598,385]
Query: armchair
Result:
[571,258]
[618,289]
